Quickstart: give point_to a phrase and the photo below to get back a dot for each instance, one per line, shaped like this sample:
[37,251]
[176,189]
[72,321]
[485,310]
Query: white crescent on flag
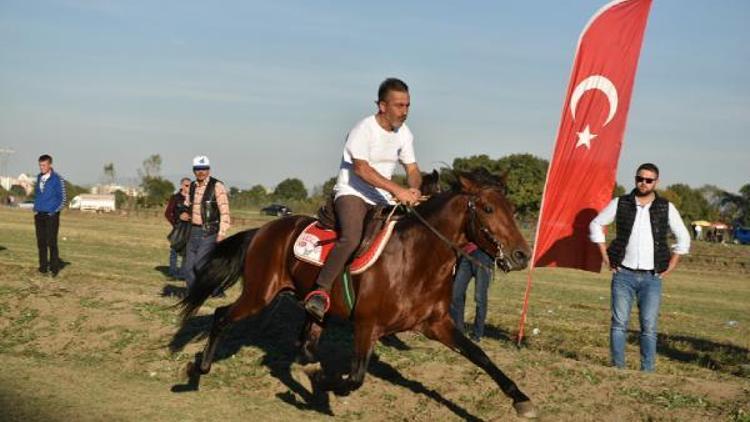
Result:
[595,82]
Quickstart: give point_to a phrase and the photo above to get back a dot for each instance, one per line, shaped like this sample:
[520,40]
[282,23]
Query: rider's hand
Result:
[408,196]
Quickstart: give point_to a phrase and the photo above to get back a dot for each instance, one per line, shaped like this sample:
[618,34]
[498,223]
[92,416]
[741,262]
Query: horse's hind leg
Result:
[224,316]
[218,328]
[445,332]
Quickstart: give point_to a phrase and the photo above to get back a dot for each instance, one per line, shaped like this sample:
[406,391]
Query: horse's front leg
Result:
[364,339]
[444,331]
[308,341]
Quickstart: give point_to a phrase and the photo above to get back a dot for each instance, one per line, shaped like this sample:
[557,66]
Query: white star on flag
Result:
[585,137]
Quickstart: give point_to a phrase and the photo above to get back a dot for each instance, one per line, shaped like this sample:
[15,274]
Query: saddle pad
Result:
[315,243]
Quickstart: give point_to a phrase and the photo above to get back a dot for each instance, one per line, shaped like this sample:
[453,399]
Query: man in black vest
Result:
[639,258]
[209,215]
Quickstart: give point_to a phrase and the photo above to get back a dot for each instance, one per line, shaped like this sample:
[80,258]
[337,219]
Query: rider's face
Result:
[395,108]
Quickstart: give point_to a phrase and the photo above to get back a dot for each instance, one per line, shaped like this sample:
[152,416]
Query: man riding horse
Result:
[373,146]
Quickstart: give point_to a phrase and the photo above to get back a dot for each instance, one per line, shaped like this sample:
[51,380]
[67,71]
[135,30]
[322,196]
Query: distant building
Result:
[23,180]
[132,191]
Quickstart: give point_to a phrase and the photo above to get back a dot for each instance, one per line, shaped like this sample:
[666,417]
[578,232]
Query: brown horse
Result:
[408,288]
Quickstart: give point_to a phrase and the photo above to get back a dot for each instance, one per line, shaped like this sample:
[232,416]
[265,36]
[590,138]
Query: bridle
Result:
[475,224]
[478,227]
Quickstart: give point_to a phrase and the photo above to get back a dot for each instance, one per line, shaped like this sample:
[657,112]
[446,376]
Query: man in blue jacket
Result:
[49,200]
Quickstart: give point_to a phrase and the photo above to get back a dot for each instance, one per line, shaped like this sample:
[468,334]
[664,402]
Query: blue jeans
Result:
[174,271]
[196,255]
[645,287]
[464,271]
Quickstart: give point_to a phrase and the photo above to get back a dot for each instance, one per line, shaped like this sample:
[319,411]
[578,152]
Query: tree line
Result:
[525,177]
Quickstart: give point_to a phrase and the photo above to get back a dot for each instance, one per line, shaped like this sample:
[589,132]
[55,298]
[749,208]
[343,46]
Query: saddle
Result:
[375,221]
[317,240]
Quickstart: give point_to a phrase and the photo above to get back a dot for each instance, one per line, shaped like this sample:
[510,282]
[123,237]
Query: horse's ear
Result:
[504,177]
[467,184]
[435,178]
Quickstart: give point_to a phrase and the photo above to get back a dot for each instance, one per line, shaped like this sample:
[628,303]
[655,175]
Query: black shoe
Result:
[316,305]
[473,337]
[42,270]
[55,271]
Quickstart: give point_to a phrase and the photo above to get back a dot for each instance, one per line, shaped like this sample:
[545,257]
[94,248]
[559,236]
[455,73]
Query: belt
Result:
[637,271]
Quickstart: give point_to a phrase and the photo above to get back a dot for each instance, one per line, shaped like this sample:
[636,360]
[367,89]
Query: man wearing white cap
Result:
[209,210]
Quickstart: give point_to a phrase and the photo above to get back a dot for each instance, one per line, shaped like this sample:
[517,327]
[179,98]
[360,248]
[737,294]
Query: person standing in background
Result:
[49,200]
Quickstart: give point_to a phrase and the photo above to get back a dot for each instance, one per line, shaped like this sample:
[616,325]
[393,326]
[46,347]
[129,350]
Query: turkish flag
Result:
[582,171]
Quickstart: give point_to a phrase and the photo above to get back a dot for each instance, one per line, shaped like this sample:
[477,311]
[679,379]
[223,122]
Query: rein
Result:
[449,242]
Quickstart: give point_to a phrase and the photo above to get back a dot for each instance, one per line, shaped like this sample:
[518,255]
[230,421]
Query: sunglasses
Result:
[647,180]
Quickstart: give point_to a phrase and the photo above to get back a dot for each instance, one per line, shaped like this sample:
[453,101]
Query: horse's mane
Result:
[480,176]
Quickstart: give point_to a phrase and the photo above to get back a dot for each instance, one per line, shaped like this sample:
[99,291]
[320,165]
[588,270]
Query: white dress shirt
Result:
[639,253]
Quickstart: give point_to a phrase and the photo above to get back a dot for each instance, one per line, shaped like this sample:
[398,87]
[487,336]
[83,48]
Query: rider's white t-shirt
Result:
[381,149]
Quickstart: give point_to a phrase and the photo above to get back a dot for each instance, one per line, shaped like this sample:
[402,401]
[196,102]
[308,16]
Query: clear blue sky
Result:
[269,90]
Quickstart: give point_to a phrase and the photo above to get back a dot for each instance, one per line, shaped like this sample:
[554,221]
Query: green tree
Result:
[692,205]
[328,187]
[157,191]
[618,190]
[72,190]
[18,191]
[525,181]
[257,194]
[291,189]
[151,167]
[120,199]
[738,206]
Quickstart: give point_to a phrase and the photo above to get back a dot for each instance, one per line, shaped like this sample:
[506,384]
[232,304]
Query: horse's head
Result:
[490,223]
[430,183]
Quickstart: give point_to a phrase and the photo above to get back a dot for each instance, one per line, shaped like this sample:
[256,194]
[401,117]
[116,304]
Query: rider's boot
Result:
[317,303]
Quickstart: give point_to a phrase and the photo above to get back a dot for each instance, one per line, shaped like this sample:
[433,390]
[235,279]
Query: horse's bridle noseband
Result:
[478,227]
[474,221]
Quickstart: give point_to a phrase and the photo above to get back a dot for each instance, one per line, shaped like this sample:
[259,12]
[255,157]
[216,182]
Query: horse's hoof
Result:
[342,390]
[525,409]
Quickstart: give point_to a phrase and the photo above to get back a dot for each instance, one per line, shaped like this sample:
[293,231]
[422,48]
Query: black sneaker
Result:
[54,272]
[316,305]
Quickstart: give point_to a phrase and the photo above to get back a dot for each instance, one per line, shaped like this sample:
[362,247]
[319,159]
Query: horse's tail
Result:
[224,266]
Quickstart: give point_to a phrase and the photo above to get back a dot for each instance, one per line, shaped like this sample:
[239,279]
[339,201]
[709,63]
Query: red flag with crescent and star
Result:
[582,171]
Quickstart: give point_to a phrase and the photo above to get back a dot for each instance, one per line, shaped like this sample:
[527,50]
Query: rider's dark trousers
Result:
[350,216]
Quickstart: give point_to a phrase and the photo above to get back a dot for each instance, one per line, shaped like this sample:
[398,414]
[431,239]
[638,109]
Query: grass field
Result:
[100,342]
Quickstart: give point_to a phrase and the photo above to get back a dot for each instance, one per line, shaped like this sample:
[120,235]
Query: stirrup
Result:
[323,294]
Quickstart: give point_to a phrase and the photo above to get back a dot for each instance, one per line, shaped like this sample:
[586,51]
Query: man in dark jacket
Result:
[209,216]
[178,212]
[49,200]
[639,258]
